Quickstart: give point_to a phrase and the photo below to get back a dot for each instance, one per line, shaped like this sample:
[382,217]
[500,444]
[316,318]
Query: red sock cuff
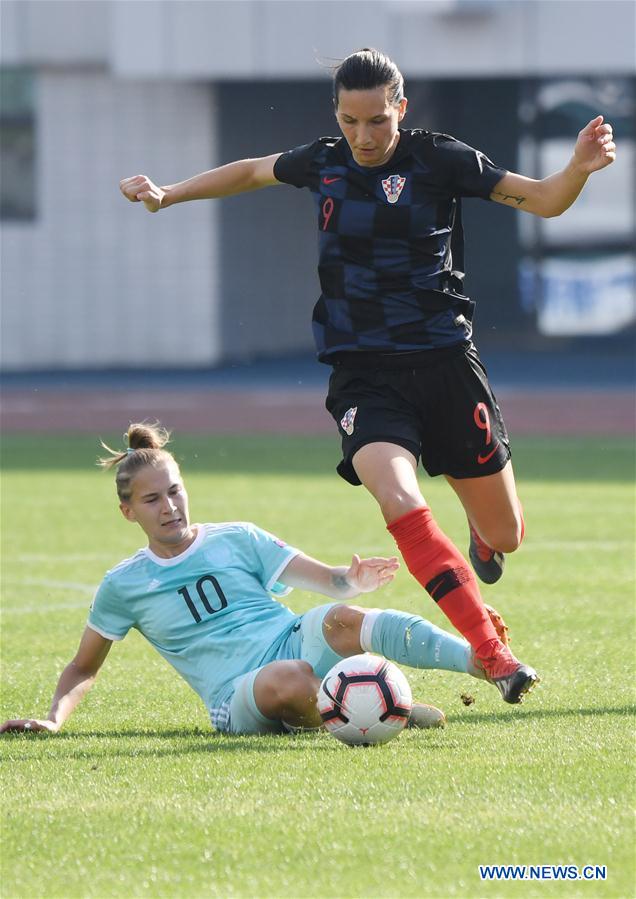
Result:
[412,527]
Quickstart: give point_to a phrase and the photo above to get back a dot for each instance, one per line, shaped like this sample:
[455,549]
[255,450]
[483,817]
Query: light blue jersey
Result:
[208,611]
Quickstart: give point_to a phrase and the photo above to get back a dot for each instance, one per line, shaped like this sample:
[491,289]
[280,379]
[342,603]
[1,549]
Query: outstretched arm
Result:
[339,582]
[75,681]
[594,150]
[234,178]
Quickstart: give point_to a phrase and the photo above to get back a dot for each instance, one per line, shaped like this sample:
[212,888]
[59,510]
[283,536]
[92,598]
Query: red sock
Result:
[446,576]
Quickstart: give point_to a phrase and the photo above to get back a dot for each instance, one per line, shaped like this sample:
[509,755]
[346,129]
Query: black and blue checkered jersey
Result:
[391,244]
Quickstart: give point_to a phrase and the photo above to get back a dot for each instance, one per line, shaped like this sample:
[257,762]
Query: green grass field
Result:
[137,797]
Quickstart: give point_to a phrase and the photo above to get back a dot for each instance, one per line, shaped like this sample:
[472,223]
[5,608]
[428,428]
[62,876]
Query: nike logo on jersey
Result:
[483,459]
[331,180]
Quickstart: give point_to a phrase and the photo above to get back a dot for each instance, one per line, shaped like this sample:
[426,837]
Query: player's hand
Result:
[28,725]
[595,148]
[140,189]
[366,575]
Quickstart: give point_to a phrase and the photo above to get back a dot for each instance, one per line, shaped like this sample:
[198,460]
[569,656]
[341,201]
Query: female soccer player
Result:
[392,320]
[205,596]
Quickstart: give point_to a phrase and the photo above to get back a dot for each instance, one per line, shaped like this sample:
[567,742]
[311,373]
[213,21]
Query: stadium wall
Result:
[88,282]
[251,39]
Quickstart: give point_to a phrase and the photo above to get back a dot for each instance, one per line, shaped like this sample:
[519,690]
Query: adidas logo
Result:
[154,583]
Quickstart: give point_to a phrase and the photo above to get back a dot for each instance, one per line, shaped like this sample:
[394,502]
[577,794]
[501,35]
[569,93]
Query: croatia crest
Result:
[393,187]
[346,423]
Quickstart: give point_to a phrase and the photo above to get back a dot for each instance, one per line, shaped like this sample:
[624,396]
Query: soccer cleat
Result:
[425,716]
[499,624]
[487,562]
[512,678]
[475,666]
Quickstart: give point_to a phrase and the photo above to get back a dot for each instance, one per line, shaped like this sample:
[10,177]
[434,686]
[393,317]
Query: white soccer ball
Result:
[365,699]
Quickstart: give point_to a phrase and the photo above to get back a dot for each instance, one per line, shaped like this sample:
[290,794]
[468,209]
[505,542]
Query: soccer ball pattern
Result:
[365,700]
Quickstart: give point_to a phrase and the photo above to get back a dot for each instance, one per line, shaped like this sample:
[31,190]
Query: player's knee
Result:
[286,689]
[505,536]
[296,684]
[343,617]
[341,629]
[396,503]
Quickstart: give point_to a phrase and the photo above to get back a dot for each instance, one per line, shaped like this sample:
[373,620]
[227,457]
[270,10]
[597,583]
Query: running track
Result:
[287,410]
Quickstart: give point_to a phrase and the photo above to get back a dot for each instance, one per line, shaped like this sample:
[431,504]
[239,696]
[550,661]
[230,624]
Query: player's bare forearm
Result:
[234,178]
[560,190]
[71,688]
[74,683]
[594,150]
[306,573]
[339,582]
[547,197]
[341,588]
[225,181]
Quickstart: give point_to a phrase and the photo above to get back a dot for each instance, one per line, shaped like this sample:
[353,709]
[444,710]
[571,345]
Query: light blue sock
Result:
[411,640]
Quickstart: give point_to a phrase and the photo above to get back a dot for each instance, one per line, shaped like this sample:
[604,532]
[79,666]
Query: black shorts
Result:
[437,404]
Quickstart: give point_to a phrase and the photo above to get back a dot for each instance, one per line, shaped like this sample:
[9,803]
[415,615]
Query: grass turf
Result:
[138,797]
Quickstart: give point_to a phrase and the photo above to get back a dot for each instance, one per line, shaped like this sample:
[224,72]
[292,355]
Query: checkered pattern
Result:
[220,717]
[390,269]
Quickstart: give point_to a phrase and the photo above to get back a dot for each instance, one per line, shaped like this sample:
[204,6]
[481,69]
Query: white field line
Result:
[45,608]
[542,546]
[51,584]
[537,545]
[575,545]
[65,557]
[88,591]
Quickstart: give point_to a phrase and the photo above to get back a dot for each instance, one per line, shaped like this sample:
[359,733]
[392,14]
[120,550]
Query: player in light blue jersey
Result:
[206,596]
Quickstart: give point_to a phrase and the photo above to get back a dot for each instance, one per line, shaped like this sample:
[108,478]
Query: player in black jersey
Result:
[392,320]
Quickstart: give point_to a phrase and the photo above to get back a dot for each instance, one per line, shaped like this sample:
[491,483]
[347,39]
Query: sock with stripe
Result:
[444,573]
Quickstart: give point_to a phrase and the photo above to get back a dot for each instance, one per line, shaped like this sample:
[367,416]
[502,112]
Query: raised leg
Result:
[493,508]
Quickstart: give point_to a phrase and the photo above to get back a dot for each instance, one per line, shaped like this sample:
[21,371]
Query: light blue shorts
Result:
[240,714]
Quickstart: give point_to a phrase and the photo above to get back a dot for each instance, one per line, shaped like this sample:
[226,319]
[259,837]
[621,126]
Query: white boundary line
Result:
[62,557]
[45,608]
[46,582]
[88,591]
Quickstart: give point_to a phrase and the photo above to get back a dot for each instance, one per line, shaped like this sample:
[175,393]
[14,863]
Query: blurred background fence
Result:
[93,91]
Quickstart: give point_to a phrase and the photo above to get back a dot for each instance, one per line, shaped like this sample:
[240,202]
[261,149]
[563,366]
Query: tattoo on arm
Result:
[340,582]
[504,197]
